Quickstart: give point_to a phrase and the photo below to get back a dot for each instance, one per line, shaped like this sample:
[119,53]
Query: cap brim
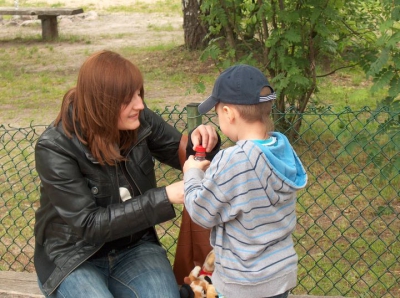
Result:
[207,105]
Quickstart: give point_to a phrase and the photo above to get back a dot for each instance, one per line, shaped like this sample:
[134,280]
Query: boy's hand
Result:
[192,163]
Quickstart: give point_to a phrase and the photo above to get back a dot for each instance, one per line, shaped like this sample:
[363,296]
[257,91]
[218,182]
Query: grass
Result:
[20,198]
[343,236]
[348,88]
[166,7]
[168,27]
[27,3]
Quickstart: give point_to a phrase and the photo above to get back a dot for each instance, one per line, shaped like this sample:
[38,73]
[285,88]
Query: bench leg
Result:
[49,27]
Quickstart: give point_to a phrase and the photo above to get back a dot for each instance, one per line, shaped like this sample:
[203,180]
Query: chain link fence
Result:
[347,236]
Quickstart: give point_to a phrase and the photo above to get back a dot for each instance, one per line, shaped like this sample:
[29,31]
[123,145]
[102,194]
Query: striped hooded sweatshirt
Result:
[248,197]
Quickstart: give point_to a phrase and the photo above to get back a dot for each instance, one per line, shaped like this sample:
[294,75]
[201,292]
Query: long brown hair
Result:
[106,81]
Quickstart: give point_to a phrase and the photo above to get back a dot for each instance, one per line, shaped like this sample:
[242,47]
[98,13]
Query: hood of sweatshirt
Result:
[283,159]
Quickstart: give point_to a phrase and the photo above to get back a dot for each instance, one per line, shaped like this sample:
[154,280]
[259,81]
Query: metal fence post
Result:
[194,118]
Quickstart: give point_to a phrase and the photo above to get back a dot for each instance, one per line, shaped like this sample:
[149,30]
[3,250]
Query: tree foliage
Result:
[292,40]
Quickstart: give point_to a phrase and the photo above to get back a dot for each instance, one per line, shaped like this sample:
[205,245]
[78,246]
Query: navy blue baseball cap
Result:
[240,85]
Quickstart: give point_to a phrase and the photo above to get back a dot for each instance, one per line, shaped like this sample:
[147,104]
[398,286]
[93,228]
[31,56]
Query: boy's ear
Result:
[229,112]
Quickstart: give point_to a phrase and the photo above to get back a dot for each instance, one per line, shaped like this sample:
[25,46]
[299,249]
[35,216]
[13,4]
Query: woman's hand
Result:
[192,163]
[206,136]
[175,192]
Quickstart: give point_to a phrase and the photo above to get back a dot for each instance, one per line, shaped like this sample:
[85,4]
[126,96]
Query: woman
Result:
[99,201]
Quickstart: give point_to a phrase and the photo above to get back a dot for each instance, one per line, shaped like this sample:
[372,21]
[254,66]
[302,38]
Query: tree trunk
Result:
[194,31]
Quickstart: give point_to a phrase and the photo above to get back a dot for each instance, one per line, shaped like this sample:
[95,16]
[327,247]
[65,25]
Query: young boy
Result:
[247,194]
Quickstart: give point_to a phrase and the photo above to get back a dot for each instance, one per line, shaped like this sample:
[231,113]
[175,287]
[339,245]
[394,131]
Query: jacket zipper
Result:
[130,150]
[139,140]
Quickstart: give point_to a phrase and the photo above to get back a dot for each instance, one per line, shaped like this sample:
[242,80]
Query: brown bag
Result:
[193,241]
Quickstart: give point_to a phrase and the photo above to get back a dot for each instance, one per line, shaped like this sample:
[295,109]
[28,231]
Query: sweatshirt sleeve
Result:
[205,200]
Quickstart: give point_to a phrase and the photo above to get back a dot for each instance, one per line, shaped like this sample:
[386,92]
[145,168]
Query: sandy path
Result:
[108,30]
[98,29]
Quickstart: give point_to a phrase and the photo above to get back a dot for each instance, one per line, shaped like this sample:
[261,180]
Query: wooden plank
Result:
[38,11]
[19,284]
[24,285]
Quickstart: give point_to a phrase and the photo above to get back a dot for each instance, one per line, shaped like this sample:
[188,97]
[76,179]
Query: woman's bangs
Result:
[133,81]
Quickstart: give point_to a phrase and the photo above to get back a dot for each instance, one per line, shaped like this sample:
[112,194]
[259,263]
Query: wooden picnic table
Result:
[48,17]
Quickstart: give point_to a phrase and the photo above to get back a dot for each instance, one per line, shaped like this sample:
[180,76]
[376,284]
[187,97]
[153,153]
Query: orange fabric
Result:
[182,149]
[193,241]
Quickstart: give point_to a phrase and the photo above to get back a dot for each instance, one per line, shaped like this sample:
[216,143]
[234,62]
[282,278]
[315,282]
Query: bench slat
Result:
[39,11]
[19,284]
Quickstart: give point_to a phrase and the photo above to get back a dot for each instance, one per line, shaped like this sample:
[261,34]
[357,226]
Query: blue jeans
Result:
[141,271]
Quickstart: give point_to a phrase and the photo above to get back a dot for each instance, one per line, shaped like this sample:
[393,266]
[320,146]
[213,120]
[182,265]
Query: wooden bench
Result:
[19,284]
[24,285]
[48,17]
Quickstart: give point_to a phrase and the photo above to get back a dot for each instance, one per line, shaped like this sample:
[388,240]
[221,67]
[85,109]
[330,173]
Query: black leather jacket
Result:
[80,207]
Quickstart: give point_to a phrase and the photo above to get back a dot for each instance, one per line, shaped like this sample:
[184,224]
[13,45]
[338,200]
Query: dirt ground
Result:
[103,30]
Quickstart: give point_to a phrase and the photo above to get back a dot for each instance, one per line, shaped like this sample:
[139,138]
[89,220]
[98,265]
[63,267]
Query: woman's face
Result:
[129,114]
